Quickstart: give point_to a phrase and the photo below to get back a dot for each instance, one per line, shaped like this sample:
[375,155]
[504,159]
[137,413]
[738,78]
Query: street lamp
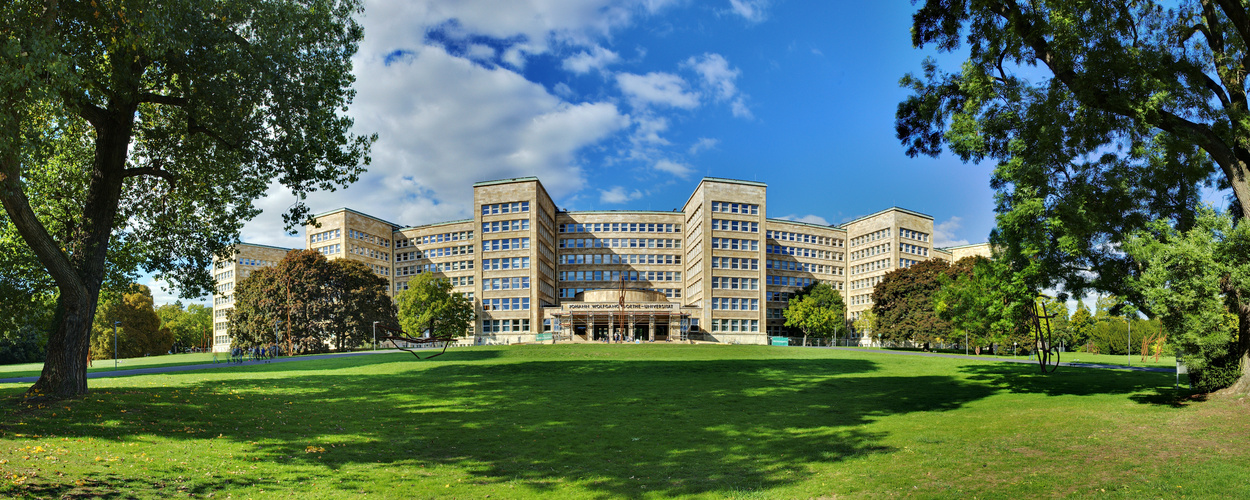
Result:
[115,323]
[375,335]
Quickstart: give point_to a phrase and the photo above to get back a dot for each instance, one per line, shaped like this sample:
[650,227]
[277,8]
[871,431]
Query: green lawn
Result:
[638,421]
[33,369]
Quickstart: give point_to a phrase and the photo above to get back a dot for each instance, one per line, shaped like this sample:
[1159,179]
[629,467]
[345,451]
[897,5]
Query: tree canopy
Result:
[429,307]
[192,326]
[903,303]
[817,311]
[137,134]
[319,303]
[1102,117]
[983,299]
[139,329]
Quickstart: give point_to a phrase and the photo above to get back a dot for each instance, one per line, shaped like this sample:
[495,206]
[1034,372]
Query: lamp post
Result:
[375,335]
[115,323]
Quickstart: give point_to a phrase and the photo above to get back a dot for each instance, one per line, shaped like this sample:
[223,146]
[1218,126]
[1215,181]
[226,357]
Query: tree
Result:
[139,332]
[1081,325]
[191,326]
[429,306]
[983,298]
[357,299]
[903,303]
[817,311]
[865,323]
[320,303]
[1187,283]
[1137,107]
[162,122]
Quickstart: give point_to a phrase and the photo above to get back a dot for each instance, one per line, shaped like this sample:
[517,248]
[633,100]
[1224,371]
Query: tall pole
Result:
[115,323]
[375,335]
[289,344]
[1129,352]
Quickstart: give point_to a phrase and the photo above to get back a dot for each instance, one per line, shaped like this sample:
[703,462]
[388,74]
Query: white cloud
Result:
[944,233]
[703,144]
[809,218]
[716,74]
[657,88]
[164,293]
[597,59]
[617,195]
[719,80]
[751,10]
[671,167]
[480,52]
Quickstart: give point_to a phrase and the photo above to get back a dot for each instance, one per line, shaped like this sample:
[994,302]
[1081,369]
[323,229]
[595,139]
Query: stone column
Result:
[651,328]
[631,323]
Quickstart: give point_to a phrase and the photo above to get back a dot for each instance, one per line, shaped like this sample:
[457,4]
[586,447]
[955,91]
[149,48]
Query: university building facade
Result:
[716,269]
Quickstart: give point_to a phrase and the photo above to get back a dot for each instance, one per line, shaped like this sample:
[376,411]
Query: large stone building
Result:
[717,269]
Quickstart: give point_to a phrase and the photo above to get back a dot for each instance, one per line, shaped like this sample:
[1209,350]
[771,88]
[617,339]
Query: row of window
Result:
[223,276]
[731,283]
[330,249]
[791,265]
[506,225]
[735,244]
[788,280]
[505,325]
[325,235]
[505,264]
[913,249]
[619,243]
[915,235]
[871,266]
[618,275]
[434,267]
[225,287]
[568,293]
[735,208]
[734,304]
[376,240]
[735,325]
[513,283]
[369,252]
[870,251]
[614,258]
[803,238]
[866,282]
[906,263]
[506,304]
[505,244]
[256,262]
[461,280]
[859,300]
[432,253]
[516,207]
[780,296]
[735,225]
[735,263]
[873,236]
[379,270]
[620,227]
[803,252]
[434,238]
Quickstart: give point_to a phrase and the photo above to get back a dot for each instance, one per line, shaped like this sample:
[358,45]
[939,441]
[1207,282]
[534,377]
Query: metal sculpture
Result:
[426,340]
[1044,348]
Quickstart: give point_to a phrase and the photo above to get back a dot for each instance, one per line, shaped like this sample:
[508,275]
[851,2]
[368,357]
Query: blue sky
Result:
[626,104]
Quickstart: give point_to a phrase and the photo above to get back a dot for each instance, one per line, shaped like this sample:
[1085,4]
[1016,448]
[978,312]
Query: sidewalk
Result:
[206,366]
[1030,360]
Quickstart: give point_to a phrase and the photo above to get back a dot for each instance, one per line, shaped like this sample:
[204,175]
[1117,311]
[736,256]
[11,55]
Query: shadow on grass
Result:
[1027,378]
[616,428]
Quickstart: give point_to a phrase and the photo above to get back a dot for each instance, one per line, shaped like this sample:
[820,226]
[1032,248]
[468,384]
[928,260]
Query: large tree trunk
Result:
[1242,385]
[65,370]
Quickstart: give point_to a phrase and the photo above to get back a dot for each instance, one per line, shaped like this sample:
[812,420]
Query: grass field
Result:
[637,421]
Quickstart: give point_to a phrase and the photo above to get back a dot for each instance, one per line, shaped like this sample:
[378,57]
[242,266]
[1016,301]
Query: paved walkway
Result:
[1031,360]
[205,366]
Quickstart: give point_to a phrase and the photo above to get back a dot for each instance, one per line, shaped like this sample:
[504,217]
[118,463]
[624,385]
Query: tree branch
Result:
[162,99]
[153,171]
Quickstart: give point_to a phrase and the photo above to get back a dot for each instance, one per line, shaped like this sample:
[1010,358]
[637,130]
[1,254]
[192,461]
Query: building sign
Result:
[609,306]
